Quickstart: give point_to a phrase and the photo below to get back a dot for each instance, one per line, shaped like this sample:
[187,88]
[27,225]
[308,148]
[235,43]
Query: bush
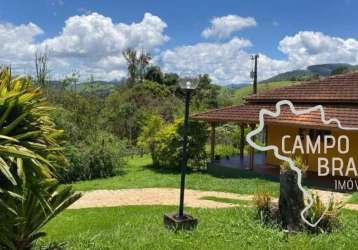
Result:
[167,144]
[330,220]
[299,163]
[262,201]
[99,156]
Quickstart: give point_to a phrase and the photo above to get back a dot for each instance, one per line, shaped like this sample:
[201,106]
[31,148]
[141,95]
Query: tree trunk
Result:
[291,201]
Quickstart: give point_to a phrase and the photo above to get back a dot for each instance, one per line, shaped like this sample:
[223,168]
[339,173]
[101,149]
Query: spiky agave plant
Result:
[30,156]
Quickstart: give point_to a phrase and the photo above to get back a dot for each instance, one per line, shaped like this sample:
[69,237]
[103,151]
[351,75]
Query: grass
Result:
[140,174]
[227,200]
[354,198]
[141,227]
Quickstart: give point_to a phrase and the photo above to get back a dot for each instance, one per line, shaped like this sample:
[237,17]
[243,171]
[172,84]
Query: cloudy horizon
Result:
[92,43]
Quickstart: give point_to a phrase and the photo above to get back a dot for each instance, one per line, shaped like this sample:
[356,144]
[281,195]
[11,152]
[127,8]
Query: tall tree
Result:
[143,62]
[137,64]
[132,64]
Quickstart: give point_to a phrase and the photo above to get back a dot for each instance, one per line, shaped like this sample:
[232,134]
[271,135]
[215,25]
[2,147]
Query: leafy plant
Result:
[168,144]
[262,201]
[299,163]
[330,220]
[30,156]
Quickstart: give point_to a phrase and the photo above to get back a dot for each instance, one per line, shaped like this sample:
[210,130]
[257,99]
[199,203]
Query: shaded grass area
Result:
[141,227]
[354,198]
[228,200]
[140,174]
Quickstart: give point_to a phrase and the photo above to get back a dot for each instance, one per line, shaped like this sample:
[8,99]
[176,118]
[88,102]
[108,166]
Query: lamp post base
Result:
[175,222]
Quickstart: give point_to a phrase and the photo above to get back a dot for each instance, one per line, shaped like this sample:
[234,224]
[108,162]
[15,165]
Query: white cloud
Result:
[87,42]
[93,44]
[17,45]
[224,62]
[230,62]
[223,27]
[308,47]
[95,35]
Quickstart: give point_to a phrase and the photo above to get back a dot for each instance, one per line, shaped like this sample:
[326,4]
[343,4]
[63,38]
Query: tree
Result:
[132,64]
[171,79]
[340,70]
[136,64]
[154,74]
[143,62]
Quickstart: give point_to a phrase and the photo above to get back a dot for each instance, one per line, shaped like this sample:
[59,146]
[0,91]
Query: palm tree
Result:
[30,156]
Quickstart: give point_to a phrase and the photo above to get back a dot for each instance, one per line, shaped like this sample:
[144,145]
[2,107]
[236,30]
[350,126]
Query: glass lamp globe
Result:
[189,84]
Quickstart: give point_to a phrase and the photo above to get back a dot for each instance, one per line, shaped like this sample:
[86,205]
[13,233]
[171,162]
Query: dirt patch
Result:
[154,196]
[170,196]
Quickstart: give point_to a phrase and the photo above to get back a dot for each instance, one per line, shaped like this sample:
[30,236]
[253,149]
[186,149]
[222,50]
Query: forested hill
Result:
[312,72]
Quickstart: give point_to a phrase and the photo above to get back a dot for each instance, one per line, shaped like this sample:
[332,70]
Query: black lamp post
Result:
[181,220]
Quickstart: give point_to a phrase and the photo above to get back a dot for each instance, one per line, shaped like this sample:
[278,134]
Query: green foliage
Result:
[330,220]
[30,157]
[127,109]
[241,93]
[340,70]
[167,144]
[99,156]
[154,74]
[147,136]
[262,201]
[171,79]
[299,163]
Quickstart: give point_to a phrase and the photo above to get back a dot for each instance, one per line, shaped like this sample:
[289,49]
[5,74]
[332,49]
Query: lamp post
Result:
[181,220]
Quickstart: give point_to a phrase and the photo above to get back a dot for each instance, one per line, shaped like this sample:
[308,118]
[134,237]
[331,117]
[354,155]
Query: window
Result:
[313,133]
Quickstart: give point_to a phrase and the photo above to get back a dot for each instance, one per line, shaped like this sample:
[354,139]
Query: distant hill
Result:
[312,72]
[100,88]
[237,86]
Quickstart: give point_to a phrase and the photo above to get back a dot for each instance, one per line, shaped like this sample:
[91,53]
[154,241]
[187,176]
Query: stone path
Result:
[170,196]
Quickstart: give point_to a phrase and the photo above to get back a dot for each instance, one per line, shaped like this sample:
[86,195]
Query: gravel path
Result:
[170,196]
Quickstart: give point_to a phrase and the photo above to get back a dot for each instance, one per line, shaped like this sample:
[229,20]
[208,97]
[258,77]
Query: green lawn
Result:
[141,227]
[353,198]
[140,174]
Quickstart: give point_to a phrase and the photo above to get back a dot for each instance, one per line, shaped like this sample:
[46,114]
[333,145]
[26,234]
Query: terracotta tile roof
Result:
[249,113]
[336,89]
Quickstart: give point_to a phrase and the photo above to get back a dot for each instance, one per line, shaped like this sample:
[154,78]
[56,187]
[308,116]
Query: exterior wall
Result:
[276,132]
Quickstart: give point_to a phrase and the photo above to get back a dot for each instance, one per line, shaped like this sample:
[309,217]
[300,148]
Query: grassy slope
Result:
[140,174]
[141,227]
[243,92]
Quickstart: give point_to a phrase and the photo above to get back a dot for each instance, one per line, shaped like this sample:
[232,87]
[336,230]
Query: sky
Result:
[185,37]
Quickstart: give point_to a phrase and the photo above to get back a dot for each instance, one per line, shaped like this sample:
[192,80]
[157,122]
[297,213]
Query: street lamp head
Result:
[188,84]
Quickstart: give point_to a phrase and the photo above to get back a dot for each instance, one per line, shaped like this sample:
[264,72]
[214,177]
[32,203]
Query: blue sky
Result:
[288,35]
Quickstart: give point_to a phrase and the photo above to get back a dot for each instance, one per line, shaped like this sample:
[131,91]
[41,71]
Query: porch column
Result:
[212,142]
[252,151]
[242,141]
[266,140]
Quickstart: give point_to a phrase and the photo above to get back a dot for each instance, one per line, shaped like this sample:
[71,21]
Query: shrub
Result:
[299,163]
[167,144]
[262,201]
[100,156]
[330,220]
[146,139]
[30,156]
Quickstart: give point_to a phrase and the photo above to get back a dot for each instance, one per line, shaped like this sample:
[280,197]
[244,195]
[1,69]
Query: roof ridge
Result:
[332,81]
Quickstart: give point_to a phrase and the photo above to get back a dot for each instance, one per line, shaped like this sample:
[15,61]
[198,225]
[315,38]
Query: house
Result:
[337,94]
